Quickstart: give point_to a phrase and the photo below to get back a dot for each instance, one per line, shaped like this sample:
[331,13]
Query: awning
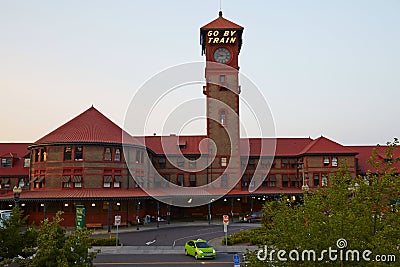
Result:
[77,179]
[117,178]
[108,179]
[66,178]
[33,179]
[40,179]
[6,181]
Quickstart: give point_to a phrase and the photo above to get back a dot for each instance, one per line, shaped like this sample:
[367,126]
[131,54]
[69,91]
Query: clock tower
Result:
[221,41]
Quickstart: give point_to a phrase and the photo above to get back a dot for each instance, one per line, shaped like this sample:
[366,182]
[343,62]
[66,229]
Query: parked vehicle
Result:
[4,215]
[254,217]
[199,249]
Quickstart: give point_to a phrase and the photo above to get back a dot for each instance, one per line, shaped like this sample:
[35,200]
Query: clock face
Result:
[222,55]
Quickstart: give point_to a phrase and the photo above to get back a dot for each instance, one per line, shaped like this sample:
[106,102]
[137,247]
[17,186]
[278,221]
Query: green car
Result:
[200,249]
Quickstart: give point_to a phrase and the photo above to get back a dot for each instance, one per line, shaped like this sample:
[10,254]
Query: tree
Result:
[55,248]
[353,216]
[15,237]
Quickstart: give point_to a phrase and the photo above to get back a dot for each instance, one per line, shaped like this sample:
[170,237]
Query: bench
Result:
[94,225]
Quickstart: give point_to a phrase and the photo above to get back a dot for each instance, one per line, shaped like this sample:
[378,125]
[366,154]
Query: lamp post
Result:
[17,193]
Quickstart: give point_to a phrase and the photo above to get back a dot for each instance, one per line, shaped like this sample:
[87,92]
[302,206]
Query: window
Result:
[223,161]
[285,163]
[294,180]
[78,155]
[139,156]
[316,179]
[27,162]
[162,162]
[117,156]
[117,181]
[5,183]
[252,163]
[6,162]
[180,180]
[39,179]
[66,181]
[222,79]
[222,117]
[181,162]
[285,180]
[224,181]
[243,163]
[245,182]
[324,180]
[334,161]
[36,154]
[77,181]
[326,161]
[166,180]
[67,153]
[107,181]
[272,180]
[43,154]
[192,163]
[292,163]
[192,180]
[107,154]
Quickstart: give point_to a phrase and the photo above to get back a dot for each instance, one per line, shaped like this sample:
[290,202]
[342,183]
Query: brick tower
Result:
[221,41]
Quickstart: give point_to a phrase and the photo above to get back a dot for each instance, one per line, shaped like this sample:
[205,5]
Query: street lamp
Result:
[17,193]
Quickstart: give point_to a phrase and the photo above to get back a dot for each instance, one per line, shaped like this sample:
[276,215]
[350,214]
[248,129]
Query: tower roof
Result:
[91,126]
[221,23]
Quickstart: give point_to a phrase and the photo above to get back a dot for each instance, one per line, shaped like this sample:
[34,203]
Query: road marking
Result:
[150,242]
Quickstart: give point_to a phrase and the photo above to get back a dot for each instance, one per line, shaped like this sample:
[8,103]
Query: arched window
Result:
[222,117]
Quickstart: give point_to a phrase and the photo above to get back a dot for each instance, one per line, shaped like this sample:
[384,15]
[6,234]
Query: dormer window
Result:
[117,156]
[334,161]
[67,153]
[78,153]
[326,161]
[6,162]
[107,154]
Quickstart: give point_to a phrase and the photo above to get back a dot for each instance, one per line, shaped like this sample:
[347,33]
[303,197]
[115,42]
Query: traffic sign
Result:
[117,220]
[225,227]
[236,260]
[225,219]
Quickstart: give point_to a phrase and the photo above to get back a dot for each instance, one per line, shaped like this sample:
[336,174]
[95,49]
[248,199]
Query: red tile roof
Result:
[88,127]
[169,145]
[323,145]
[365,152]
[221,23]
[16,151]
[273,146]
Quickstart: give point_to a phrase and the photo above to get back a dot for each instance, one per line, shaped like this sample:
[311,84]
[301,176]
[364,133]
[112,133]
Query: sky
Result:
[328,68]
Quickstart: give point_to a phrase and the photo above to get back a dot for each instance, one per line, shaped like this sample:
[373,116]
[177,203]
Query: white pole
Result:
[116,241]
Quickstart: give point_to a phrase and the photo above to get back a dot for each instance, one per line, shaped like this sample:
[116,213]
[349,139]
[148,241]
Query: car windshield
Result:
[202,245]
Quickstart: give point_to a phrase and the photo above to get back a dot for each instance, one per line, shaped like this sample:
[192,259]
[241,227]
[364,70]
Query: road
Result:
[177,236]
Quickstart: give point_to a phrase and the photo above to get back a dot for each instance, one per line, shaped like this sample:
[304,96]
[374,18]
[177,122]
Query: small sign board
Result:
[80,216]
[117,220]
[225,219]
[236,260]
